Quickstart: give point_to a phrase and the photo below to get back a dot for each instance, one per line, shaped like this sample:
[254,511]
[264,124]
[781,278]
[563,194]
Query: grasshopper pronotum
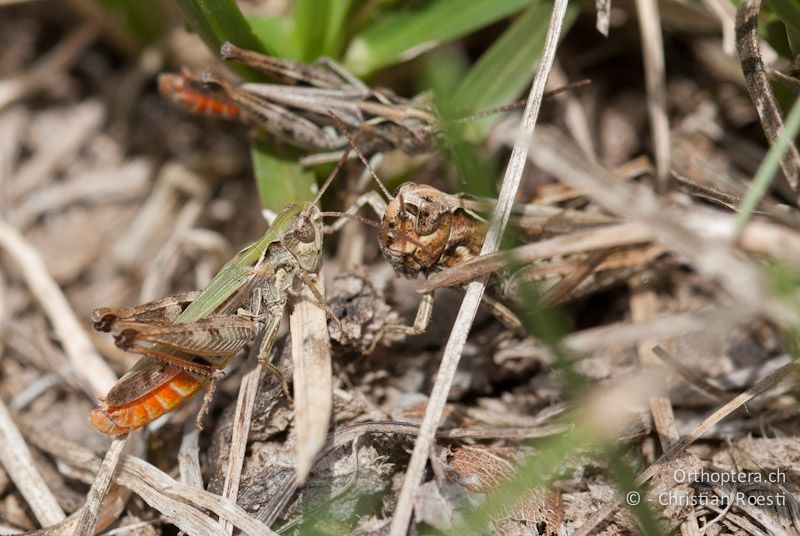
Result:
[187,339]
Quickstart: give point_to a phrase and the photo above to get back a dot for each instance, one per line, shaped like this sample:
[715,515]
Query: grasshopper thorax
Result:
[416,229]
[425,230]
[304,238]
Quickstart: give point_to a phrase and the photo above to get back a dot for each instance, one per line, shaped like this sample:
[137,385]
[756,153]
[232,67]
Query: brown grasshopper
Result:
[186,340]
[427,231]
[295,110]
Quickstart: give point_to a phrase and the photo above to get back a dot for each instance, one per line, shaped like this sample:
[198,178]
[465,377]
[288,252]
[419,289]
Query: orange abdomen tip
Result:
[102,423]
[117,420]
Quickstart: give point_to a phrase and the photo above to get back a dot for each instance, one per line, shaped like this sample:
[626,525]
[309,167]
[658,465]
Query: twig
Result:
[241,429]
[758,86]
[102,483]
[189,457]
[313,387]
[653,52]
[95,377]
[466,313]
[690,375]
[726,13]
[155,487]
[18,463]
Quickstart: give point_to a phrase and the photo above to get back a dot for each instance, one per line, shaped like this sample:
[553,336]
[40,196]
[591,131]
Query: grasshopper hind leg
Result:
[208,396]
[421,321]
[264,350]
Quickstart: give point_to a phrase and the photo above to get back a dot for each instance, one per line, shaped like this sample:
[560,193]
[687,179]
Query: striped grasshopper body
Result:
[186,340]
[296,109]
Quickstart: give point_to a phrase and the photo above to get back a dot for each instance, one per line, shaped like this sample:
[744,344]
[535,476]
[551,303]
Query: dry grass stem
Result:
[575,116]
[189,457]
[624,334]
[717,260]
[758,86]
[653,55]
[89,367]
[241,429]
[100,487]
[726,13]
[12,122]
[156,488]
[18,463]
[313,385]
[623,234]
[469,306]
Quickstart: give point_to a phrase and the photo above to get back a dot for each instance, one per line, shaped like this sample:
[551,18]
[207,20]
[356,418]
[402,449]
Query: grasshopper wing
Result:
[145,376]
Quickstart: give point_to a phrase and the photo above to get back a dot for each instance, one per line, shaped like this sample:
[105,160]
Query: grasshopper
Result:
[295,111]
[426,231]
[190,95]
[187,339]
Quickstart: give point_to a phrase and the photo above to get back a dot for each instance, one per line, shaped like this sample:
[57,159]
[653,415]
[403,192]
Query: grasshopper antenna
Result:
[377,225]
[351,141]
[332,175]
[521,104]
[354,217]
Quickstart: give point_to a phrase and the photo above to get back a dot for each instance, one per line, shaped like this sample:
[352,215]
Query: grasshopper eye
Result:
[427,221]
[304,230]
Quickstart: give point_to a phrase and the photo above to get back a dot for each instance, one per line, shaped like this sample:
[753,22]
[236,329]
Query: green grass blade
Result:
[279,177]
[318,27]
[310,21]
[334,32]
[766,171]
[505,69]
[217,21]
[275,33]
[787,10]
[401,36]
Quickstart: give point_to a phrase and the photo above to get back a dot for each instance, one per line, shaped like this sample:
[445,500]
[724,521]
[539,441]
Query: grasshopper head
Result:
[305,238]
[416,230]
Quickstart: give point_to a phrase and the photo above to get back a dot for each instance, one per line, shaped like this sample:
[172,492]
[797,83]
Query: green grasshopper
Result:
[186,340]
